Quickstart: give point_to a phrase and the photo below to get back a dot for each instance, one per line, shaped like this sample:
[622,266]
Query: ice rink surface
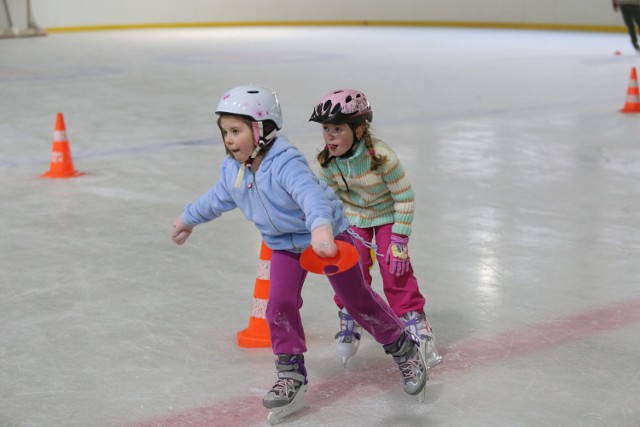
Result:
[526,239]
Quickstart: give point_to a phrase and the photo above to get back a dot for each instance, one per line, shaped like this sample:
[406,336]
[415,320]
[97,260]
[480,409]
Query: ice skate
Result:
[417,324]
[348,339]
[287,396]
[406,353]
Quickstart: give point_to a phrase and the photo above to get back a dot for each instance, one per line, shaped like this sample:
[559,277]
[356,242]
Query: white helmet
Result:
[256,102]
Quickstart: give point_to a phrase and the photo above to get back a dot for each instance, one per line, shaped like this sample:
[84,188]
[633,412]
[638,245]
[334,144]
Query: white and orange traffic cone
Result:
[61,165]
[632,104]
[257,334]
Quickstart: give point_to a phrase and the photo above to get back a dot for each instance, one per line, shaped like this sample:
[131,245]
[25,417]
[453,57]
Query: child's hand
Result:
[322,241]
[180,232]
[398,255]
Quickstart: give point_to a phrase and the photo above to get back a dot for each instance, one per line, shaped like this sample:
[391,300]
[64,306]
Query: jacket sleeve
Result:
[210,205]
[308,192]
[401,191]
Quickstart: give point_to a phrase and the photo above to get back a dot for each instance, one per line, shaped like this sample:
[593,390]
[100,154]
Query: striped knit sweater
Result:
[376,197]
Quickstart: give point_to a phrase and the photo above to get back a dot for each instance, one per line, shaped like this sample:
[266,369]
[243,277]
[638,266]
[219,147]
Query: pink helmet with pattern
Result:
[342,106]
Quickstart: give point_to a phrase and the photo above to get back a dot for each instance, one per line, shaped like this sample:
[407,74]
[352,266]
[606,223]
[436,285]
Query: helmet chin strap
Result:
[346,154]
[351,149]
[261,141]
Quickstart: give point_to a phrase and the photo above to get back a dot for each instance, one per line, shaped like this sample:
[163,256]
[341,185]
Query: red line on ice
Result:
[458,358]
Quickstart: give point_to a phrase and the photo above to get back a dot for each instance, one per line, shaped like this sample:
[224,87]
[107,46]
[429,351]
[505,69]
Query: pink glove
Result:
[398,255]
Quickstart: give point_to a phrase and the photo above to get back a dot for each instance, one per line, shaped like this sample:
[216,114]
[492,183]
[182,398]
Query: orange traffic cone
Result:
[61,165]
[257,334]
[632,104]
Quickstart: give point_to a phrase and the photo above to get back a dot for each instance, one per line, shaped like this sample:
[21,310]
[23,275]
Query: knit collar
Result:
[356,150]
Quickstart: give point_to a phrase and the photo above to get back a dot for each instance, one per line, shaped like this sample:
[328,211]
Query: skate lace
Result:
[348,333]
[284,387]
[409,368]
[417,326]
[347,326]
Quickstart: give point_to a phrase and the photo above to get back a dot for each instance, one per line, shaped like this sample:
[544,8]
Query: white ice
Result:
[526,238]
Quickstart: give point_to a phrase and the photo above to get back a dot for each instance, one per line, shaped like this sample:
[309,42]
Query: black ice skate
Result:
[287,396]
[406,353]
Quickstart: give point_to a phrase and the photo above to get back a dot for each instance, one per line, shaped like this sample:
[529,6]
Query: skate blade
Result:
[278,415]
[346,355]
[431,361]
[434,361]
[422,396]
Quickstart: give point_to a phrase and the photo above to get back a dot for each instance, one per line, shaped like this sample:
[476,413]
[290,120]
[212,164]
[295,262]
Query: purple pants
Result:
[402,292]
[285,301]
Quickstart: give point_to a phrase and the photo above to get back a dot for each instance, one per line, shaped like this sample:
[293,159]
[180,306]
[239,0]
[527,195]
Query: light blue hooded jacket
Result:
[284,199]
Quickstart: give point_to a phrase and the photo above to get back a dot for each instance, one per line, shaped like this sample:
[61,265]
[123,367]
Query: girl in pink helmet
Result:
[367,176]
[271,183]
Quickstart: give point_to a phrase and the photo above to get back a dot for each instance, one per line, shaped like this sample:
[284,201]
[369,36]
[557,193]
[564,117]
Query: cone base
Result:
[630,110]
[248,339]
[57,175]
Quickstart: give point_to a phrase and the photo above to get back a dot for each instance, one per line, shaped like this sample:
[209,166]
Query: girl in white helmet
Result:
[367,176]
[270,181]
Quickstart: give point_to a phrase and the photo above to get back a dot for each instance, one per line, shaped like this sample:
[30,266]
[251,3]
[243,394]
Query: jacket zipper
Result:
[255,183]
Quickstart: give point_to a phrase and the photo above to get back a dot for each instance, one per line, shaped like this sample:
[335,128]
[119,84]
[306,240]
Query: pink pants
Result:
[285,300]
[402,292]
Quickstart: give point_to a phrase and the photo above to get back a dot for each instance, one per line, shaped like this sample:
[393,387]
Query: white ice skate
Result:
[417,324]
[287,396]
[348,339]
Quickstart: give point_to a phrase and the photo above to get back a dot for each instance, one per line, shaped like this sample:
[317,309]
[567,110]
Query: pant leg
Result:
[635,13]
[627,12]
[402,292]
[285,301]
[364,305]
[364,254]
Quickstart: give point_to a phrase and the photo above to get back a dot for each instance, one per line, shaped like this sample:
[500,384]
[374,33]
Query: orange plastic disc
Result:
[346,258]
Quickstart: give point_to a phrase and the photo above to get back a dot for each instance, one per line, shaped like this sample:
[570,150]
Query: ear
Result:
[257,132]
[359,132]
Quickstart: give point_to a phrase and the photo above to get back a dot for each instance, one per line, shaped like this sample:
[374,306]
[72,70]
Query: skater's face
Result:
[339,137]
[237,135]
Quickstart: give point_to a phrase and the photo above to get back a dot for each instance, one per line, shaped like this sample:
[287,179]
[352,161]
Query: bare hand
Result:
[322,241]
[180,232]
